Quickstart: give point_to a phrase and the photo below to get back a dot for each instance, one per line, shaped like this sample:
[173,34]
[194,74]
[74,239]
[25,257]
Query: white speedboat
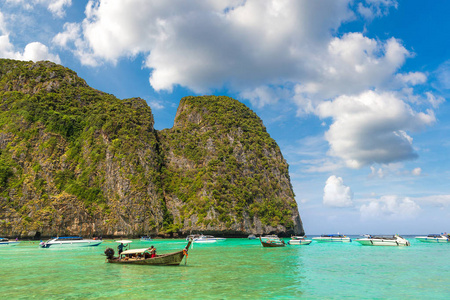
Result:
[380,240]
[332,238]
[200,238]
[69,241]
[7,242]
[299,240]
[434,238]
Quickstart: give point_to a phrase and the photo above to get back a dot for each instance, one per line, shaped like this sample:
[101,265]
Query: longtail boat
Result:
[272,241]
[144,257]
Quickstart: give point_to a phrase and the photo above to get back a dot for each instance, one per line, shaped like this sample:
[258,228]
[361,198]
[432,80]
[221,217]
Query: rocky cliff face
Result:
[74,160]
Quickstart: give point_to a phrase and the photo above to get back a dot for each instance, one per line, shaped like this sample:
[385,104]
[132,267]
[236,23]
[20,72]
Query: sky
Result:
[355,93]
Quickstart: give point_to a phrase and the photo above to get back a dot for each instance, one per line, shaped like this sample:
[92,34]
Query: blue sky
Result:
[354,92]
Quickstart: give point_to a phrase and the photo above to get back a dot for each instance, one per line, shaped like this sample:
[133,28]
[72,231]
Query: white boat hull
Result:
[69,244]
[432,239]
[332,240]
[300,242]
[382,242]
[9,243]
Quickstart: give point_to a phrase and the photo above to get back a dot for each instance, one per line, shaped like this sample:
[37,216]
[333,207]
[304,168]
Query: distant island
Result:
[77,161]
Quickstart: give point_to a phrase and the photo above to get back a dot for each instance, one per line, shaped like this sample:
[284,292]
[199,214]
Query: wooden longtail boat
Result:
[142,257]
[272,241]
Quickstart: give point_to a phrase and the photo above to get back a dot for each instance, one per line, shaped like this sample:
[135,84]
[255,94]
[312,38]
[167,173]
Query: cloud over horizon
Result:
[336,194]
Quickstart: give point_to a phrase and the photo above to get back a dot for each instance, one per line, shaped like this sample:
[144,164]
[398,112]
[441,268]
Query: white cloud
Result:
[34,51]
[416,171]
[372,128]
[266,52]
[443,76]
[390,207]
[433,100]
[208,44]
[375,8]
[439,200]
[336,194]
[413,78]
[56,7]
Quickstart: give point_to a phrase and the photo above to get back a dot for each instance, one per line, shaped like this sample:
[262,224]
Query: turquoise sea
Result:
[233,269]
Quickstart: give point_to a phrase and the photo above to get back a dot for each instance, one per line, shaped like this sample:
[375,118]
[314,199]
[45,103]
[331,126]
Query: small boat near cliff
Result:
[70,241]
[340,238]
[271,241]
[391,240]
[7,242]
[299,240]
[434,238]
[206,239]
[145,238]
[144,257]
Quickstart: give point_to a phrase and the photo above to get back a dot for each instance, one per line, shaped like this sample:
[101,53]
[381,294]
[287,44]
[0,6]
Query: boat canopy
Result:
[71,238]
[124,241]
[134,251]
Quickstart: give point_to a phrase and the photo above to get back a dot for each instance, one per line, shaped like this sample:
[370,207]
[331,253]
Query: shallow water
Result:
[233,269]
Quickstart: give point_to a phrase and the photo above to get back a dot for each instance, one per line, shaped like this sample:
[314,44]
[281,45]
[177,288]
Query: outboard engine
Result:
[109,252]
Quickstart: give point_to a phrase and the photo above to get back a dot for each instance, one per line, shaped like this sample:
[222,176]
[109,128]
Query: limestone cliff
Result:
[74,160]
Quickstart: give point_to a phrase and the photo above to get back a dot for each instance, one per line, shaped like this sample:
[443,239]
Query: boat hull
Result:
[69,244]
[9,243]
[332,240]
[300,242]
[432,240]
[171,259]
[272,243]
[382,242]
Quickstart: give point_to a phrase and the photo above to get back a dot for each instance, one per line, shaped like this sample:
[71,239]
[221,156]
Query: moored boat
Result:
[271,241]
[7,242]
[380,240]
[70,241]
[252,237]
[434,238]
[206,239]
[299,240]
[340,238]
[144,257]
[145,239]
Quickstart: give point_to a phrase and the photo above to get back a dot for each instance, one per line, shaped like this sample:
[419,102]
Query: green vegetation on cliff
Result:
[235,168]
[74,160]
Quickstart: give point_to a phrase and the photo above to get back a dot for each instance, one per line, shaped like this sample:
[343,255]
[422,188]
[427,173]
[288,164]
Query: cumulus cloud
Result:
[390,207]
[266,52]
[34,51]
[336,194]
[372,128]
[207,44]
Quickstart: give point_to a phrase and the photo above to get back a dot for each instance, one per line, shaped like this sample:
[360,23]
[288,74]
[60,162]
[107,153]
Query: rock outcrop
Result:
[74,160]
